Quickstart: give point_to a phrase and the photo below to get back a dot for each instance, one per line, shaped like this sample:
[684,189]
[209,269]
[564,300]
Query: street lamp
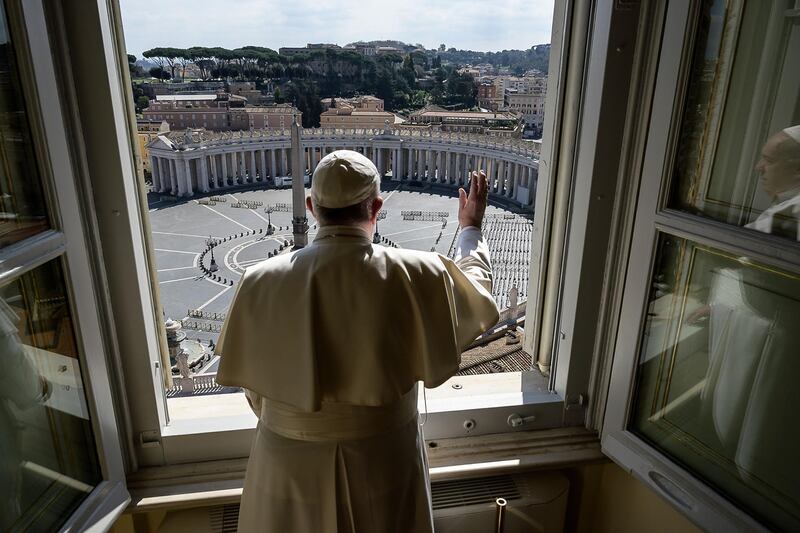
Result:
[377,237]
[268,211]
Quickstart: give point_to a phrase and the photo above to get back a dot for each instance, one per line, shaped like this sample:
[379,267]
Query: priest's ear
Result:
[377,203]
[310,206]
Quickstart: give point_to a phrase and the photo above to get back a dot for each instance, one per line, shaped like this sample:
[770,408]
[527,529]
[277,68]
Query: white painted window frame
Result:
[68,243]
[156,441]
[687,493]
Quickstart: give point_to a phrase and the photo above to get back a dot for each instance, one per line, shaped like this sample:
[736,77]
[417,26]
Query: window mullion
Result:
[760,247]
[22,257]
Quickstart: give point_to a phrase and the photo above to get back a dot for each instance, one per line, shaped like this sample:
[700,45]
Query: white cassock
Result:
[784,216]
[329,342]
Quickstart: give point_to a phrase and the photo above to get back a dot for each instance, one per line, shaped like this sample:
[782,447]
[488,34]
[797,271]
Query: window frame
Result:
[67,241]
[670,61]
[157,441]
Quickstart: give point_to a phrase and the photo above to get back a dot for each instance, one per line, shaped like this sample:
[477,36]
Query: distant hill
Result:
[518,61]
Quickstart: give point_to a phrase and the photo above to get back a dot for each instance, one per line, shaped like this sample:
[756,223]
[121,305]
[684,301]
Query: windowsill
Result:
[219,482]
[214,413]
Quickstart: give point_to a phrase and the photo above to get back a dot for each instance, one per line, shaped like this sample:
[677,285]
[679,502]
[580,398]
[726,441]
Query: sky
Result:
[484,25]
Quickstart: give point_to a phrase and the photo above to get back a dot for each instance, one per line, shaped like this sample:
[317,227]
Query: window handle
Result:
[515,420]
[671,490]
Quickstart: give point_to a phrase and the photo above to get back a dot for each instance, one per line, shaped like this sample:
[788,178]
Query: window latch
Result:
[515,420]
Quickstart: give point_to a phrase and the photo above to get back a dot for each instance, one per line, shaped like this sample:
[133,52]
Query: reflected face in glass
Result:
[779,164]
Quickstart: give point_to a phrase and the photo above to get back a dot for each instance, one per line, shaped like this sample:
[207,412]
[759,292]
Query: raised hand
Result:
[472,207]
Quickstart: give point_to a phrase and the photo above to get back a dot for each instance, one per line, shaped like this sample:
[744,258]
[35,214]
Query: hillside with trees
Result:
[405,81]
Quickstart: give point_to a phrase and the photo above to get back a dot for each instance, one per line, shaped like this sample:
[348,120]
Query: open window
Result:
[61,461]
[216,203]
[701,396]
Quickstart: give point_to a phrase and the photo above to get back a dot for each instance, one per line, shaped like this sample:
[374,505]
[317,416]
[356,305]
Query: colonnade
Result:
[183,166]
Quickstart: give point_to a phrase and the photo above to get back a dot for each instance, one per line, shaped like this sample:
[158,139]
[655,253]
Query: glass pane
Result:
[22,204]
[48,463]
[717,375]
[738,157]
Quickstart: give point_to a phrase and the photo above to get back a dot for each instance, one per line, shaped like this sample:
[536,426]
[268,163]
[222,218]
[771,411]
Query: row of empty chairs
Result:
[509,239]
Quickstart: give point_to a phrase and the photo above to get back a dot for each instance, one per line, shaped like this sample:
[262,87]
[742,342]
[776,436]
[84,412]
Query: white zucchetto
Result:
[343,178]
[793,132]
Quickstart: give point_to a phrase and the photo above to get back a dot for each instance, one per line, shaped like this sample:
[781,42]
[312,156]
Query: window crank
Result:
[515,420]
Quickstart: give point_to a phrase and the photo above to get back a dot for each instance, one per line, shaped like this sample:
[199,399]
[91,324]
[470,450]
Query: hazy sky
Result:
[487,25]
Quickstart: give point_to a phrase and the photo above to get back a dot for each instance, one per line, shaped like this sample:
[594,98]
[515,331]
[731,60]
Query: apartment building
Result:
[358,112]
[529,105]
[502,123]
[218,112]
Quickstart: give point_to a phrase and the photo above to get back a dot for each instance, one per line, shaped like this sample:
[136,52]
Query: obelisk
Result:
[299,219]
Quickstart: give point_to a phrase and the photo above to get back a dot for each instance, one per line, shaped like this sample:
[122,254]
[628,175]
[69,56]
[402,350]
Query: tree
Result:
[461,89]
[164,58]
[442,48]
[203,58]
[142,102]
[159,73]
[135,70]
[303,94]
[184,59]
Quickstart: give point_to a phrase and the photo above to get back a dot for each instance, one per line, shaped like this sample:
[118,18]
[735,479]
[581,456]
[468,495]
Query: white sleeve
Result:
[472,256]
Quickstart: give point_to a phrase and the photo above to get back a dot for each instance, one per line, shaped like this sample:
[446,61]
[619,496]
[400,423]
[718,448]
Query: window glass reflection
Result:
[22,204]
[716,388]
[48,463]
[738,157]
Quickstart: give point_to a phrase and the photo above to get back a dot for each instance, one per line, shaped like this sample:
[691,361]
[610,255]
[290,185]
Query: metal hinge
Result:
[577,401]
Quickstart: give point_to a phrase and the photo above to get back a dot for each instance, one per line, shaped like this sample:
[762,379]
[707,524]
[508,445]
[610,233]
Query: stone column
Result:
[400,166]
[515,181]
[410,163]
[163,168]
[263,172]
[272,164]
[215,170]
[178,175]
[284,162]
[379,163]
[496,176]
[225,170]
[253,165]
[188,177]
[204,173]
[154,173]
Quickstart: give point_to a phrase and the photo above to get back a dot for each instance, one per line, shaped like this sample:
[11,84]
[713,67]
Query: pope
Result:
[329,343]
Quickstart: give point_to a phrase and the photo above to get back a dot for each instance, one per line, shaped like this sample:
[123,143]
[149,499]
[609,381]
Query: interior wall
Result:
[604,498]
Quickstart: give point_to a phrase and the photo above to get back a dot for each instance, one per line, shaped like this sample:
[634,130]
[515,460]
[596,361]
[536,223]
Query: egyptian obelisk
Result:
[299,219]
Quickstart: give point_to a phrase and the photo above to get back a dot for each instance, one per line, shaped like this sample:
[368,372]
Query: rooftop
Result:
[464,114]
[183,97]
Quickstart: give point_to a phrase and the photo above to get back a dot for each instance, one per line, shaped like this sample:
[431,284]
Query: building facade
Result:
[489,97]
[358,112]
[146,132]
[220,112]
[192,162]
[529,105]
[496,123]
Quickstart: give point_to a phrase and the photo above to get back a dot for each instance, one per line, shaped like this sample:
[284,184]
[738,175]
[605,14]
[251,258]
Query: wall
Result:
[605,498]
